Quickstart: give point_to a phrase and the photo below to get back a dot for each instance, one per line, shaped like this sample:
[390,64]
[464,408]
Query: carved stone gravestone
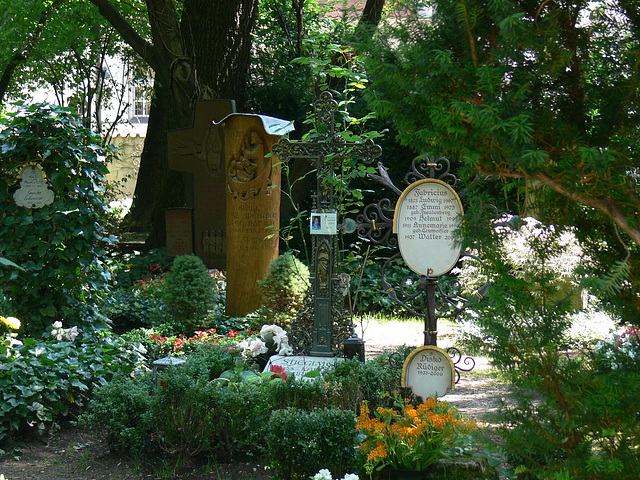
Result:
[253,205]
[200,151]
[33,191]
[179,226]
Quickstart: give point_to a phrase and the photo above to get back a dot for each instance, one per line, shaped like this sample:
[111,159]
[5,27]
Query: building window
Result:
[141,101]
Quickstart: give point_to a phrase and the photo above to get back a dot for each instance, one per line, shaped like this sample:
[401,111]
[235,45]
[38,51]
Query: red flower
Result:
[232,334]
[278,372]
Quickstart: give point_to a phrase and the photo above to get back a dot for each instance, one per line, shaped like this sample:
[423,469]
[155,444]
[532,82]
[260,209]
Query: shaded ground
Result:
[78,455]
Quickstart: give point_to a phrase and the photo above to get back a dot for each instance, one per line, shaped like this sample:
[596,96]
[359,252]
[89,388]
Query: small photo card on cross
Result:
[323,223]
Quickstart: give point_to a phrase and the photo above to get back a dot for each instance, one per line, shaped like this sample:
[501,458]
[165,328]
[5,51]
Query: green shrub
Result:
[301,443]
[283,289]
[351,382]
[124,411]
[43,381]
[188,291]
[61,246]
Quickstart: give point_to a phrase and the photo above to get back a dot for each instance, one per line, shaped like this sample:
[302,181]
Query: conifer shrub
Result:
[283,289]
[188,291]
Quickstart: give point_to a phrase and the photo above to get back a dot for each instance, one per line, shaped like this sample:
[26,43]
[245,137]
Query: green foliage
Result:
[43,382]
[366,280]
[124,412]
[72,55]
[571,419]
[300,443]
[188,291]
[541,98]
[283,289]
[61,246]
[351,382]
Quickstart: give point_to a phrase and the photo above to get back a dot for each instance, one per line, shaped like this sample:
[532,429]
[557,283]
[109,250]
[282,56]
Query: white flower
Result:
[323,474]
[351,476]
[61,334]
[257,346]
[72,333]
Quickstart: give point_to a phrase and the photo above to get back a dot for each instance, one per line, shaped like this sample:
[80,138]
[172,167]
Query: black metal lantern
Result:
[353,347]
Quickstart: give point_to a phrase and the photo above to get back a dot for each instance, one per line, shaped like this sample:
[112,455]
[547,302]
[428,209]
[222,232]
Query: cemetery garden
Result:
[136,351]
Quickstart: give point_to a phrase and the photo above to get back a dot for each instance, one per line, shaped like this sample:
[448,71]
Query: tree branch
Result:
[22,54]
[604,205]
[143,48]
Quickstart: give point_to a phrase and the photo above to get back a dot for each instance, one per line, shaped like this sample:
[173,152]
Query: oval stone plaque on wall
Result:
[429,372]
[427,214]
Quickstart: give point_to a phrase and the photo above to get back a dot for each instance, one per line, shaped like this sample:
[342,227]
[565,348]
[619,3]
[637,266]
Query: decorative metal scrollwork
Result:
[425,167]
[456,358]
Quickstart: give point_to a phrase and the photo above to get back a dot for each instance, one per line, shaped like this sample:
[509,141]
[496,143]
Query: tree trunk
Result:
[216,40]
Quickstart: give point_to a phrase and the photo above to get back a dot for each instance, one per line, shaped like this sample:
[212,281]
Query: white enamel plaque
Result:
[427,214]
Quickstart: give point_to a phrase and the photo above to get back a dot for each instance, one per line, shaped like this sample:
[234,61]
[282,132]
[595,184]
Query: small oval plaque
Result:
[429,371]
[426,216]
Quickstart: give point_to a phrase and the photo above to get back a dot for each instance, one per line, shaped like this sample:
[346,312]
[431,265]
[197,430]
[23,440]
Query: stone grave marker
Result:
[33,191]
[199,151]
[179,230]
[252,205]
[300,365]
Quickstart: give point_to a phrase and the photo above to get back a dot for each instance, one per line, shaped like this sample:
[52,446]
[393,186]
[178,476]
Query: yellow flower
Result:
[11,322]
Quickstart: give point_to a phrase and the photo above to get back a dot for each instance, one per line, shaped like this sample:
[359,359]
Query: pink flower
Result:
[278,372]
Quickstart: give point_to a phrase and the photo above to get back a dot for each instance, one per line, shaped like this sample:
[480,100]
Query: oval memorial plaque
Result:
[426,216]
[429,371]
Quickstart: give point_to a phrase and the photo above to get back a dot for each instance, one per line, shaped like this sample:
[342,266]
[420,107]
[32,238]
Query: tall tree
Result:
[542,92]
[197,49]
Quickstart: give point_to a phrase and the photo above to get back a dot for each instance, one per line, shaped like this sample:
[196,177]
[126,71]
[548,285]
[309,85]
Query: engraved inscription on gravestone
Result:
[426,216]
[429,371]
[179,231]
[299,366]
[33,191]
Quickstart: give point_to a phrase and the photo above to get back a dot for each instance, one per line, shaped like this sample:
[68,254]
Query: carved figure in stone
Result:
[207,149]
[248,173]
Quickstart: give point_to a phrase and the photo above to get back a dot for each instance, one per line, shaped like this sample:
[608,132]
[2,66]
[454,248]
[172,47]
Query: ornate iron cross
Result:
[327,150]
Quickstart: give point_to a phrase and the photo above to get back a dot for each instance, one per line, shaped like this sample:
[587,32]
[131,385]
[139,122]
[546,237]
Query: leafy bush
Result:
[351,382]
[366,281]
[124,411]
[128,269]
[283,289]
[575,415]
[45,381]
[300,443]
[61,246]
[189,290]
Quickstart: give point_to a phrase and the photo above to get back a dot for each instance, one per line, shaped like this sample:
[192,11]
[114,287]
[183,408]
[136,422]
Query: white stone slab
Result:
[300,365]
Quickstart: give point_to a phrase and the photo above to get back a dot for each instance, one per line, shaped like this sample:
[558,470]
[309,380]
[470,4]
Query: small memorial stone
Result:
[33,191]
[300,365]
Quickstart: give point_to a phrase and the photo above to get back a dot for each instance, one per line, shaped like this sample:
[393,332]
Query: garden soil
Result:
[73,454]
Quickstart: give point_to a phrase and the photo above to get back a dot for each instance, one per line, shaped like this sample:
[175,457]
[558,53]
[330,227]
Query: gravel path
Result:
[478,394]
